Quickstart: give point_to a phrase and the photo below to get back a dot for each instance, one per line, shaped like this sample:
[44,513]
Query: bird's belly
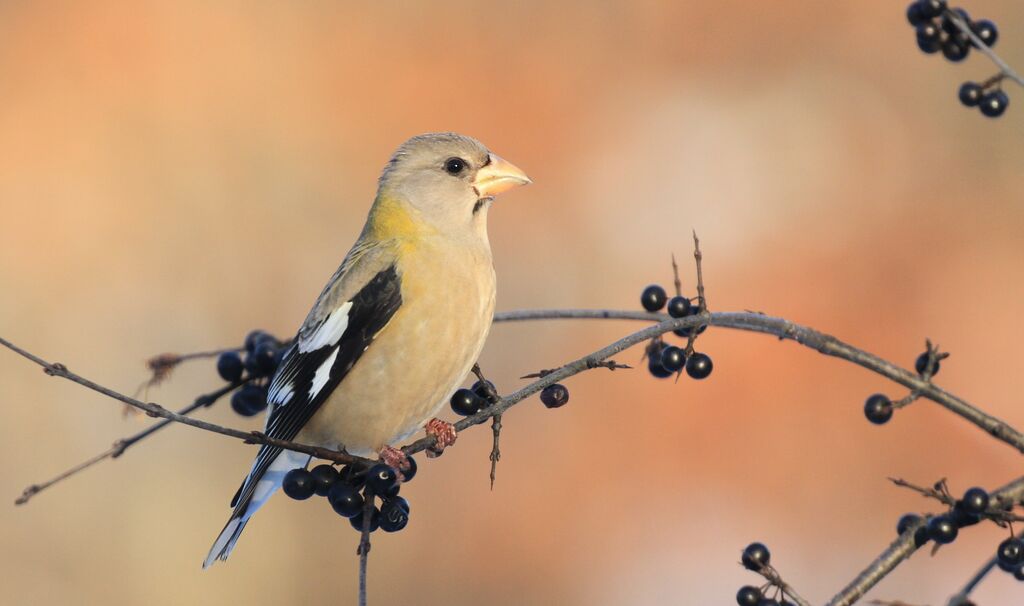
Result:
[409,371]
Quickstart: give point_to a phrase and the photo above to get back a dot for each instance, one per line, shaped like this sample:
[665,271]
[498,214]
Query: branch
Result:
[960,599]
[902,548]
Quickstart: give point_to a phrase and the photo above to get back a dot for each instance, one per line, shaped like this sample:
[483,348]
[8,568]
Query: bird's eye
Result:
[454,166]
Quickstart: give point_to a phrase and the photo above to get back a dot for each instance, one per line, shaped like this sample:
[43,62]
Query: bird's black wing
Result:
[314,366]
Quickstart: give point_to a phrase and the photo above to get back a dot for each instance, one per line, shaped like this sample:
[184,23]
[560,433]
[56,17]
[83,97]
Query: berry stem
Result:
[1005,70]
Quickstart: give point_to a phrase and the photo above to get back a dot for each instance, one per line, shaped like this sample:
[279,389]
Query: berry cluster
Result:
[262,355]
[756,557]
[664,360]
[349,490]
[937,31]
[968,510]
[878,408]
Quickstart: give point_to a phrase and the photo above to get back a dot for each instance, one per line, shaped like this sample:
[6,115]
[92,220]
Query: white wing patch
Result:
[322,374]
[328,333]
[284,394]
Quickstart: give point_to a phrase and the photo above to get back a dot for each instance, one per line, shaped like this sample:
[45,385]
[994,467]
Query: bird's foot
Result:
[394,457]
[444,436]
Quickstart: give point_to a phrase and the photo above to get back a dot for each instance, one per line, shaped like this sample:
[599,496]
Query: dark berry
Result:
[262,362]
[748,596]
[929,31]
[653,298]
[961,517]
[394,514]
[878,409]
[970,94]
[986,31]
[1011,552]
[942,529]
[230,367]
[994,103]
[975,500]
[673,358]
[1019,574]
[465,402]
[345,499]
[382,480]
[554,396]
[755,556]
[768,602]
[955,49]
[932,8]
[699,365]
[298,484]
[409,472]
[325,476]
[915,13]
[906,521]
[357,520]
[657,370]
[256,337]
[486,390]
[249,400]
[678,307]
[929,47]
[686,332]
[949,27]
[354,475]
[921,364]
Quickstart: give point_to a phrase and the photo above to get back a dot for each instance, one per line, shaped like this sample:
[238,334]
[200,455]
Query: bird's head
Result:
[447,179]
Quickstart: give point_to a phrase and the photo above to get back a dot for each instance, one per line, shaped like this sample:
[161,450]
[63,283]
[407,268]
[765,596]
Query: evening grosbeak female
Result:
[398,326]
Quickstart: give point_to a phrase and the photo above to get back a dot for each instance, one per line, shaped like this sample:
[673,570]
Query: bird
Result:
[398,326]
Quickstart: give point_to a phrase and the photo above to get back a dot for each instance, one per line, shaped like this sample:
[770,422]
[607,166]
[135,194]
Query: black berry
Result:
[915,14]
[357,520]
[653,298]
[409,472]
[249,400]
[906,521]
[994,103]
[975,500]
[554,396]
[465,402]
[942,529]
[345,499]
[298,484]
[256,337]
[755,556]
[262,362]
[382,480]
[970,94]
[686,332]
[654,366]
[932,8]
[394,514]
[961,517]
[986,31]
[486,390]
[878,409]
[678,307]
[955,49]
[354,475]
[230,367]
[929,31]
[673,358]
[1019,574]
[748,596]
[324,476]
[699,365]
[921,364]
[1011,553]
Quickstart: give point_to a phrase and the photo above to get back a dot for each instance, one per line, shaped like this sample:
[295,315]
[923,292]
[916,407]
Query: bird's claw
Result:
[444,436]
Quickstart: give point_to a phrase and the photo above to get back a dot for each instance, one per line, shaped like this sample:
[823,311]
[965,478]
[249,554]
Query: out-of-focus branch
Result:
[1005,70]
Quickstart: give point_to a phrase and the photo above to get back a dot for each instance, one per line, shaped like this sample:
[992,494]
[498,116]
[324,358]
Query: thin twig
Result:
[118,447]
[773,577]
[364,545]
[902,548]
[983,48]
[495,449]
[675,277]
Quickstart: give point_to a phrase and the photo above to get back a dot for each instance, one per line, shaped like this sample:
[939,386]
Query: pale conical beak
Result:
[498,176]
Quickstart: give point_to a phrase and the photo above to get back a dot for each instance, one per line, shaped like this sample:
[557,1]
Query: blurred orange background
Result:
[174,174]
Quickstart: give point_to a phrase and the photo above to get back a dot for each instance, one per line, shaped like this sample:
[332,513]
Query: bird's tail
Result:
[266,484]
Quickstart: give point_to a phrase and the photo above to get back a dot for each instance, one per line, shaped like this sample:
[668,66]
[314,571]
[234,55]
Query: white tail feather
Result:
[265,488]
